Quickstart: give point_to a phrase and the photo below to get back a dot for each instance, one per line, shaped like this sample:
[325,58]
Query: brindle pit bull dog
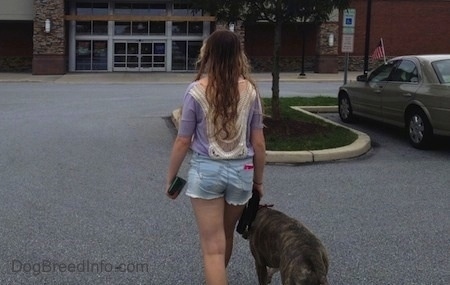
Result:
[281,242]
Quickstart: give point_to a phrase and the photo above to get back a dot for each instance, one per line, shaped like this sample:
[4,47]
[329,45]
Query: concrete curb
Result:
[160,77]
[320,109]
[359,147]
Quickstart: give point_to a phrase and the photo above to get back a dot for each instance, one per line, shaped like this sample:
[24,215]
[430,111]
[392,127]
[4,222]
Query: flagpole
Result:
[384,53]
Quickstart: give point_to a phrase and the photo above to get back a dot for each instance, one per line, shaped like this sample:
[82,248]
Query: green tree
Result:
[276,12]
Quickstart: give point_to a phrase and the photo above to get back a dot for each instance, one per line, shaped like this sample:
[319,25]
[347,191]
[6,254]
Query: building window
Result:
[183,9]
[122,28]
[99,27]
[92,28]
[91,55]
[122,9]
[140,9]
[185,54]
[83,28]
[140,28]
[195,28]
[100,8]
[187,28]
[158,9]
[91,8]
[157,28]
[179,28]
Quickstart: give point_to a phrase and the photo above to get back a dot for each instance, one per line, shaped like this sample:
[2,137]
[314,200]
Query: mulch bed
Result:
[287,128]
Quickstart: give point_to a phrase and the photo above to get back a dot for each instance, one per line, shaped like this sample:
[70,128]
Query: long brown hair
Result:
[223,60]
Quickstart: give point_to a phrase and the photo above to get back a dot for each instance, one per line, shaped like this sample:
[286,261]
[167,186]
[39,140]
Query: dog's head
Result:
[253,212]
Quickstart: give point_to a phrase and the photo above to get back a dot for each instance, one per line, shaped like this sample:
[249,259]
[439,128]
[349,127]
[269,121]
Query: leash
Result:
[265,206]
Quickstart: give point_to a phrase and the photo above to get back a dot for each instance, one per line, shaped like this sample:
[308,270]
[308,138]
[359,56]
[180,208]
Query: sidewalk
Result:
[162,77]
[357,148]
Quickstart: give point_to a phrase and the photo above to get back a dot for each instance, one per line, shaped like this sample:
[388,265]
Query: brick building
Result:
[406,26]
[59,36]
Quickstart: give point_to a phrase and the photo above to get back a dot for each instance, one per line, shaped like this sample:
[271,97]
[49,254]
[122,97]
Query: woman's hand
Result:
[174,196]
[259,188]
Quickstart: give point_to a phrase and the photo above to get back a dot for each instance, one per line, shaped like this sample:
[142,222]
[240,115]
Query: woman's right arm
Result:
[179,151]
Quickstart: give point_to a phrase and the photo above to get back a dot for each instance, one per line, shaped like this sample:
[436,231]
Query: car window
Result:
[381,73]
[406,71]
[442,69]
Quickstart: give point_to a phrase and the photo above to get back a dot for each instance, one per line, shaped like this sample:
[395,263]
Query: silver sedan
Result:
[412,92]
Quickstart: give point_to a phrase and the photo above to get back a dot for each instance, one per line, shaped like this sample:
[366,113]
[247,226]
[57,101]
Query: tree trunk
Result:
[276,112]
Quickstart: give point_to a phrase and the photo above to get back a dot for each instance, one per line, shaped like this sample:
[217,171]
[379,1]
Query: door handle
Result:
[406,95]
[378,89]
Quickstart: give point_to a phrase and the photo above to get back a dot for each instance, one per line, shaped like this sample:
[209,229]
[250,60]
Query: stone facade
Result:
[327,48]
[15,63]
[49,53]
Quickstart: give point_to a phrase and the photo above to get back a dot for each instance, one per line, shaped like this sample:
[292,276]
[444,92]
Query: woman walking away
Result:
[222,123]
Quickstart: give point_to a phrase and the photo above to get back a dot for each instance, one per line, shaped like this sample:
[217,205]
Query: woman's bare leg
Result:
[210,221]
[231,217]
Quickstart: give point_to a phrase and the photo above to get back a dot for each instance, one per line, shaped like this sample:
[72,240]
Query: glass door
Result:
[146,56]
[139,56]
[132,56]
[159,56]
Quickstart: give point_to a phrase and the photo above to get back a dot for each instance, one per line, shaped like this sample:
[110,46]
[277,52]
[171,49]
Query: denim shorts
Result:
[210,179]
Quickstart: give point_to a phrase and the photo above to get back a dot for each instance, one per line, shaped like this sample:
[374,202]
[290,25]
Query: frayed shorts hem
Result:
[192,196]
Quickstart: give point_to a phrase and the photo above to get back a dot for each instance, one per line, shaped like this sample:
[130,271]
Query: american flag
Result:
[378,53]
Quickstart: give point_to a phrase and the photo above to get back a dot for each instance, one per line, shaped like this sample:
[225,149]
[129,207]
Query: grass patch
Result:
[298,131]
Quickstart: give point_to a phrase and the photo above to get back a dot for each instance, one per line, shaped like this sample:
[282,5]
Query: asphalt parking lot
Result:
[82,167]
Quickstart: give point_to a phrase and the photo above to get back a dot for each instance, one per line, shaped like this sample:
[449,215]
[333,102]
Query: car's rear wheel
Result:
[345,108]
[420,132]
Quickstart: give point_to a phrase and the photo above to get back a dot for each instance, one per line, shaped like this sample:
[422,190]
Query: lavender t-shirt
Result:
[193,122]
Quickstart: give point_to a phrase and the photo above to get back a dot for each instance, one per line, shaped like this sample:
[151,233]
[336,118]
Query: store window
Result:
[83,28]
[139,28]
[99,27]
[187,28]
[157,28]
[125,8]
[91,28]
[91,55]
[185,54]
[158,9]
[183,9]
[91,8]
[195,28]
[122,28]
[140,9]
[122,9]
[179,28]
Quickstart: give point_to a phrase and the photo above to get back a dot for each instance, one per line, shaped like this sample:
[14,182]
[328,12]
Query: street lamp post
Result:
[368,20]
[303,51]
